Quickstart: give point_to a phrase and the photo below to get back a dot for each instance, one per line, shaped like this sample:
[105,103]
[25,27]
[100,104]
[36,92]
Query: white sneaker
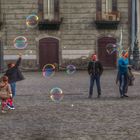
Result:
[3,111]
[10,106]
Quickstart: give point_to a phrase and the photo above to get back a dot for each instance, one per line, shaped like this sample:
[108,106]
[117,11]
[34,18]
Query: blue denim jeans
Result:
[123,79]
[13,88]
[92,79]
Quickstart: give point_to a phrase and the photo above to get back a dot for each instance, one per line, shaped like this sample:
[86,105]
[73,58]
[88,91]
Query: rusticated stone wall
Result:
[78,34]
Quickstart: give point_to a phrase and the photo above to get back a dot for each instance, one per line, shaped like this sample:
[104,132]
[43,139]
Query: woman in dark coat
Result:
[14,74]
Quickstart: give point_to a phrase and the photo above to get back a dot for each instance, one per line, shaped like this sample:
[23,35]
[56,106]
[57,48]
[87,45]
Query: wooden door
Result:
[48,51]
[108,60]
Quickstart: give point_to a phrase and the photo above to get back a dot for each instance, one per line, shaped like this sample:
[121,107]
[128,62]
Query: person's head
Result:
[125,54]
[10,65]
[94,57]
[5,79]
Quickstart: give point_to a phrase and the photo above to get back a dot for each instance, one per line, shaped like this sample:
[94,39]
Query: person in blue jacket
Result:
[123,73]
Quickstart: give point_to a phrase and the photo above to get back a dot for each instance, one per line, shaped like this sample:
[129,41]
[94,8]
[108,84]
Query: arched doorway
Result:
[106,59]
[48,51]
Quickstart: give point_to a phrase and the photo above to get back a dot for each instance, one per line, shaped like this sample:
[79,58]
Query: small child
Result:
[5,92]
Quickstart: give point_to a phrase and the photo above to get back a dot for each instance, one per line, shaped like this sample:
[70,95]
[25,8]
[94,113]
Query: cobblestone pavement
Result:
[76,117]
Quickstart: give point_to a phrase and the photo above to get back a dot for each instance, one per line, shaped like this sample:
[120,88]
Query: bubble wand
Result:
[120,44]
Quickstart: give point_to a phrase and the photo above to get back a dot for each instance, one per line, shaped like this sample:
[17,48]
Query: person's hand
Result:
[11,95]
[20,55]
[117,83]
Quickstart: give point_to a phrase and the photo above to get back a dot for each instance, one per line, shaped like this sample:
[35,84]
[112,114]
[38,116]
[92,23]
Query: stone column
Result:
[1,58]
[136,56]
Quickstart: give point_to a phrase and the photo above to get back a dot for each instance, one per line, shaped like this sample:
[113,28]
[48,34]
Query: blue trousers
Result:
[13,88]
[123,80]
[92,79]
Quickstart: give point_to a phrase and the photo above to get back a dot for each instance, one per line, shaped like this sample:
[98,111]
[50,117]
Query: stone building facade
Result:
[77,29]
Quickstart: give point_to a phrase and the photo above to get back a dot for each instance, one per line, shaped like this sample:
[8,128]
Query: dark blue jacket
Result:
[123,65]
[14,74]
[95,68]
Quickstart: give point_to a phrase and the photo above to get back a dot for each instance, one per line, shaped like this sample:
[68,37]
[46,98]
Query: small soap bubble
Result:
[20,42]
[32,21]
[56,94]
[48,70]
[71,69]
[111,48]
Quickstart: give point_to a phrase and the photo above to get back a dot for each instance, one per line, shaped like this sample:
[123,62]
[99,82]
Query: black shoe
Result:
[10,106]
[99,95]
[90,96]
[121,96]
[125,96]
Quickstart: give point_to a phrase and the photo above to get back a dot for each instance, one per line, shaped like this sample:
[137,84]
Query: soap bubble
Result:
[70,69]
[111,48]
[48,70]
[20,42]
[32,21]
[56,94]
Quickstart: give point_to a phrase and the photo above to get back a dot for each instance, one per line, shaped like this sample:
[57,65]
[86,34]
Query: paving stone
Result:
[76,117]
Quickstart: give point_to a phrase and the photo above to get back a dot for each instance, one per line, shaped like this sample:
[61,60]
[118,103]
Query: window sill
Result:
[50,25]
[106,24]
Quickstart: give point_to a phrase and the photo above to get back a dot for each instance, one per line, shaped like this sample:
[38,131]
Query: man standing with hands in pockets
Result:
[95,70]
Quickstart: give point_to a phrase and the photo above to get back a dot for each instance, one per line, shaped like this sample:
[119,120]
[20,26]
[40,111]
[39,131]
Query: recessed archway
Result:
[106,59]
[48,51]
